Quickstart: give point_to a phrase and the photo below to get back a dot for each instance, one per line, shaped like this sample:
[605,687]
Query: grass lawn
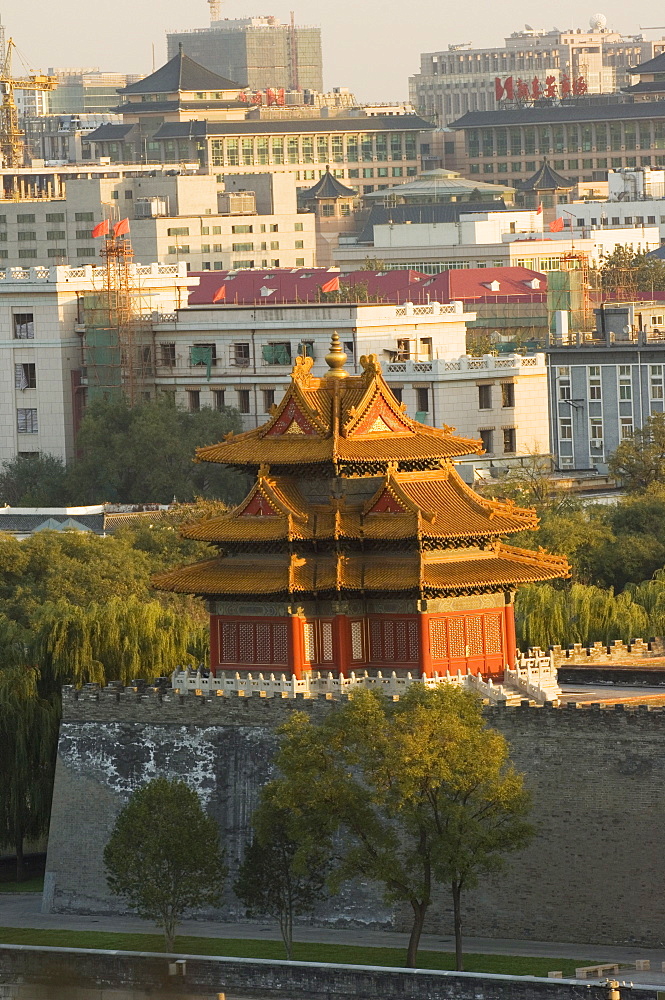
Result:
[334,953]
[30,885]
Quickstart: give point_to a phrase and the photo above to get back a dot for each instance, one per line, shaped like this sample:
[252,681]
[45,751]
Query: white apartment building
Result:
[41,332]
[174,218]
[487,239]
[422,349]
[460,78]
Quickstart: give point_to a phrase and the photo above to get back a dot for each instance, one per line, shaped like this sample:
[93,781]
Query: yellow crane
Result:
[12,139]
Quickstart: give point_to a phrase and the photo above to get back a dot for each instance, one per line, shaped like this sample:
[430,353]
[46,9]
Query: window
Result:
[509,442]
[276,354]
[83,217]
[243,400]
[626,428]
[298,227]
[566,429]
[268,399]
[274,245]
[422,400]
[218,399]
[484,397]
[327,209]
[26,420]
[487,437]
[397,392]
[596,433]
[24,326]
[507,394]
[55,235]
[306,348]
[56,252]
[25,376]
[179,249]
[242,247]
[594,382]
[203,354]
[205,230]
[239,265]
[656,381]
[27,236]
[193,400]
[299,245]
[181,231]
[167,354]
[242,229]
[241,355]
[24,218]
[274,262]
[625,383]
[274,227]
[84,251]
[55,216]
[205,248]
[300,261]
[83,234]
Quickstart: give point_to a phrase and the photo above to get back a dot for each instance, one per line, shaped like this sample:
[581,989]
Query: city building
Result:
[58,139]
[509,238]
[582,139]
[185,114]
[636,197]
[441,187]
[100,519]
[534,64]
[42,391]
[174,218]
[605,385]
[258,52]
[358,546]
[86,91]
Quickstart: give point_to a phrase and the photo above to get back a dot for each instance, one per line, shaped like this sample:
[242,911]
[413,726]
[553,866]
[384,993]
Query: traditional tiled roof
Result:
[328,187]
[180,74]
[434,506]
[655,65]
[353,422]
[426,574]
[606,110]
[546,179]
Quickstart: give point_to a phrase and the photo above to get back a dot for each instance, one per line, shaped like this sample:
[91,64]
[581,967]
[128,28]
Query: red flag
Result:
[556,226]
[332,285]
[220,294]
[121,228]
[101,230]
[539,210]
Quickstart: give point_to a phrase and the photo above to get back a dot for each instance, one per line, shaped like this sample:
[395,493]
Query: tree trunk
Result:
[286,930]
[20,858]
[419,911]
[457,920]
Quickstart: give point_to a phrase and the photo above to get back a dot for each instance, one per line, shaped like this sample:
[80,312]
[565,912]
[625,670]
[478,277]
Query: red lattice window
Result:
[456,640]
[393,640]
[438,640]
[357,645]
[254,642]
[318,641]
[493,635]
[474,637]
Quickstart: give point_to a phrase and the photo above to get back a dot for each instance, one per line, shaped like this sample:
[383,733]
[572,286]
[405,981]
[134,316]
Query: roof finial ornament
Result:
[336,358]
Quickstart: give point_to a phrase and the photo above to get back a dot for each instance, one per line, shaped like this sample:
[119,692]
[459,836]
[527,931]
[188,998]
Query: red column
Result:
[511,641]
[215,664]
[296,652]
[424,652]
[342,643]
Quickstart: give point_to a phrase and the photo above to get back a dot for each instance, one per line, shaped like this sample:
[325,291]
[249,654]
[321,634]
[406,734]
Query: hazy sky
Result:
[371,46]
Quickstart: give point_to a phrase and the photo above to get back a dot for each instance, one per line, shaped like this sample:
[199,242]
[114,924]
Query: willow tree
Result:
[546,615]
[28,738]
[119,640]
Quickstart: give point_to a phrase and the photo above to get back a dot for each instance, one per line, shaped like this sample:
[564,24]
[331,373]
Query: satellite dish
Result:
[528,27]
[597,22]
[627,329]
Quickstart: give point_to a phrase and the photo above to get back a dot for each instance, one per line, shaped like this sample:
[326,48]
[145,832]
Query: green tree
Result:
[28,737]
[164,856]
[421,792]
[35,481]
[146,453]
[274,880]
[639,461]
[627,272]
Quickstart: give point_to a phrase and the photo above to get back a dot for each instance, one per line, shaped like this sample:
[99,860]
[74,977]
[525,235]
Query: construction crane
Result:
[12,140]
[215,9]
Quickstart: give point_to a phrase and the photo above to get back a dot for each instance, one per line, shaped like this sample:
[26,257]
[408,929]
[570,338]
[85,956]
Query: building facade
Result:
[258,52]
[42,389]
[461,79]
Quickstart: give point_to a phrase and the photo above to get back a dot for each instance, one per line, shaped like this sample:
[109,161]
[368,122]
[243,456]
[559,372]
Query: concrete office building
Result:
[41,386]
[258,52]
[188,219]
[483,239]
[460,78]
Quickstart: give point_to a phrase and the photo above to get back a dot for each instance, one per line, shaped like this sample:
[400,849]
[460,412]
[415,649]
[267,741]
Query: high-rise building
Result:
[258,52]
[534,64]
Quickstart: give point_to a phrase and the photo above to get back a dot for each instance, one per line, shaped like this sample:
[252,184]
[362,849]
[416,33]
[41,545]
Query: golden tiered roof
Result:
[435,505]
[422,574]
[353,422]
[423,533]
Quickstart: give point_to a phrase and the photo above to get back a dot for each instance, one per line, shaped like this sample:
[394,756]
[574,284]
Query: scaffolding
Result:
[568,291]
[119,340]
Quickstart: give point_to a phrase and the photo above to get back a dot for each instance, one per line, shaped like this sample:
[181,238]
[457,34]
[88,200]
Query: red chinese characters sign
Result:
[533,90]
